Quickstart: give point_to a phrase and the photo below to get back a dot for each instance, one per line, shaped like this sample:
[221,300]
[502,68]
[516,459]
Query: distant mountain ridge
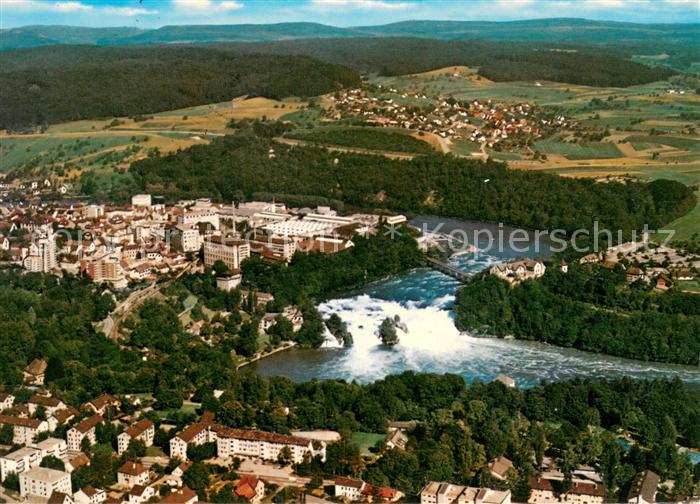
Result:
[543,30]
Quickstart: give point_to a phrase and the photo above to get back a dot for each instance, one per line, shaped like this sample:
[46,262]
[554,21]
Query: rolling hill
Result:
[543,30]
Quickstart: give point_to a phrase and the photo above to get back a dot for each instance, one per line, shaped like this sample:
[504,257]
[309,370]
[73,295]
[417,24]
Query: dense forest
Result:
[459,428]
[589,309]
[50,85]
[501,61]
[374,138]
[237,166]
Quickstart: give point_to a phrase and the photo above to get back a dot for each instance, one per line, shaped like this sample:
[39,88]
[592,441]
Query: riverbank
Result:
[286,345]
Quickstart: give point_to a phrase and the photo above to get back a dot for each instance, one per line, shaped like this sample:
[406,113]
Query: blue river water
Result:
[422,299]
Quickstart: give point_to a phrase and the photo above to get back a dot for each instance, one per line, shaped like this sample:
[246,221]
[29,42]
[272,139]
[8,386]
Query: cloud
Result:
[128,11]
[207,5]
[363,4]
[71,7]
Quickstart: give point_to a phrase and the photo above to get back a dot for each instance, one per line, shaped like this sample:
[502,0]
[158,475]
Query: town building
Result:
[101,404]
[232,252]
[184,238]
[41,482]
[141,200]
[517,271]
[143,430]
[52,447]
[50,404]
[229,283]
[85,429]
[266,445]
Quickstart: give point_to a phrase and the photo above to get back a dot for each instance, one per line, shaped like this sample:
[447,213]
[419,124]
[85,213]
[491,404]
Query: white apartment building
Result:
[83,429]
[42,482]
[348,488]
[197,434]
[42,255]
[199,214]
[141,200]
[143,430]
[227,250]
[266,445]
[185,239]
[19,461]
[24,429]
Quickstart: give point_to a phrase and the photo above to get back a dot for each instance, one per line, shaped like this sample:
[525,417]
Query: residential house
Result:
[143,430]
[78,461]
[90,495]
[6,401]
[230,251]
[581,492]
[396,439]
[349,488]
[41,482]
[34,373]
[60,498]
[140,494]
[50,404]
[644,489]
[184,495]
[102,403]
[131,474]
[250,488]
[517,271]
[85,429]
[500,467]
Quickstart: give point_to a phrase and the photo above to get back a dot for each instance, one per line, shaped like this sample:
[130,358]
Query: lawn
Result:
[366,440]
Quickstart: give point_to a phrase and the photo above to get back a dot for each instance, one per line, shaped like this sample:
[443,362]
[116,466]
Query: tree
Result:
[52,462]
[220,268]
[197,476]
[6,434]
[285,456]
[387,332]
[11,481]
[136,449]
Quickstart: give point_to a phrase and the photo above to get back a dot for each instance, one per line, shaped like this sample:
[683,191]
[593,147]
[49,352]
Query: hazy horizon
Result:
[150,14]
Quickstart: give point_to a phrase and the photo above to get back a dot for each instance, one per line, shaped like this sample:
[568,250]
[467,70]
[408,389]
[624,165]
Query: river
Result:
[422,299]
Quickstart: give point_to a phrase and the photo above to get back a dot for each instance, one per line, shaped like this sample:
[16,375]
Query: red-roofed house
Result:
[250,488]
[82,430]
[185,495]
[131,474]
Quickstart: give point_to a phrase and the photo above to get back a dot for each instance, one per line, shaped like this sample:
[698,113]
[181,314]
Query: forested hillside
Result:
[503,61]
[586,309]
[237,166]
[49,85]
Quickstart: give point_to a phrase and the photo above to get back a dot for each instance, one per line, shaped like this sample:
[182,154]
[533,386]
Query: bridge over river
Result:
[447,269]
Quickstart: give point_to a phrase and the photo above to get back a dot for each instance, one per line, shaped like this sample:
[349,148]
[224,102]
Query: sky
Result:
[156,13]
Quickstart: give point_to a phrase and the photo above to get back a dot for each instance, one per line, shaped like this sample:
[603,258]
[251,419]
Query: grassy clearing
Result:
[683,143]
[366,440]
